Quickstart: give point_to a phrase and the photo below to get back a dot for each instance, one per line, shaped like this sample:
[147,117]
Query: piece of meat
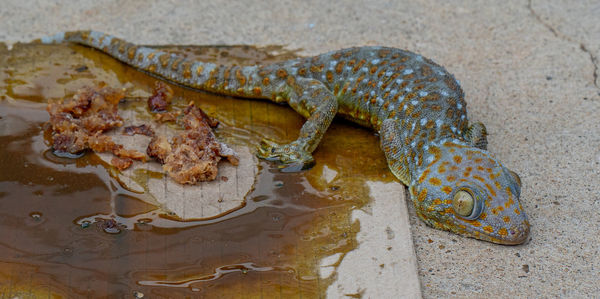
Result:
[79,122]
[159,147]
[142,129]
[193,154]
[121,163]
[167,116]
[161,97]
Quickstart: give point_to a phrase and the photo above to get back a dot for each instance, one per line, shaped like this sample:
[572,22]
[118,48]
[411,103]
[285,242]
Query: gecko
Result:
[414,104]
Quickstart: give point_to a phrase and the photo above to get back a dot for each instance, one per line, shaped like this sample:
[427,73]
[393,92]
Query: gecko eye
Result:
[465,205]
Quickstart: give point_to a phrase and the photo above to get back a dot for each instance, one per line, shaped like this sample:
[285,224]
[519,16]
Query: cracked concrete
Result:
[527,69]
[558,34]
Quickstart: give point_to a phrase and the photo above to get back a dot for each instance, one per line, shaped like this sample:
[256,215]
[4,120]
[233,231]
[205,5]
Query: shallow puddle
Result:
[270,247]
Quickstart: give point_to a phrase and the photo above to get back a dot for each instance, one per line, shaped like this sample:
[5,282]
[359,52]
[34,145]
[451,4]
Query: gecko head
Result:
[467,191]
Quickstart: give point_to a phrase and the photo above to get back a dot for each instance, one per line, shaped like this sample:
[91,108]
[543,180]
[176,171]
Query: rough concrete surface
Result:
[530,73]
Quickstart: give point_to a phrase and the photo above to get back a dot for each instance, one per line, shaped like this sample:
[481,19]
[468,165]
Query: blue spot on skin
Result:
[423,93]
[408,71]
[375,61]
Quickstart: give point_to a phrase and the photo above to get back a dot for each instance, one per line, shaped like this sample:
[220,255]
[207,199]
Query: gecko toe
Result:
[291,157]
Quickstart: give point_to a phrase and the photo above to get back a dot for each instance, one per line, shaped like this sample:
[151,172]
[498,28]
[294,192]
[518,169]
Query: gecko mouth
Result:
[517,234]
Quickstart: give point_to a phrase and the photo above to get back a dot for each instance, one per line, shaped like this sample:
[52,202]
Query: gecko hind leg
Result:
[476,135]
[391,144]
[312,99]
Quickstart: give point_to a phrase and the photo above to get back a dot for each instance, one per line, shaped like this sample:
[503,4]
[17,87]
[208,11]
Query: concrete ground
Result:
[529,70]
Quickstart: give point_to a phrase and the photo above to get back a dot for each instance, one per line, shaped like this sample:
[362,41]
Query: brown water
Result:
[269,248]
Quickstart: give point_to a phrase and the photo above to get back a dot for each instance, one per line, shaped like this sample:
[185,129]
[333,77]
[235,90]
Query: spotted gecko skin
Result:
[415,105]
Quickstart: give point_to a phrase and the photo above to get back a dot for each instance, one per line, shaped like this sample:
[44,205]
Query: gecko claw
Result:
[291,157]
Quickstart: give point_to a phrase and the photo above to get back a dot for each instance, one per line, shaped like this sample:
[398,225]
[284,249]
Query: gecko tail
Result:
[176,68]
[52,39]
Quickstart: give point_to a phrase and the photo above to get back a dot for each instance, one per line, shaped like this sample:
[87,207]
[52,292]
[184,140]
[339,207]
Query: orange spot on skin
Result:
[122,47]
[373,70]
[240,77]
[329,76]
[483,216]
[339,67]
[447,189]
[422,194]
[164,60]
[257,91]
[503,232]
[488,229]
[437,154]
[457,159]
[517,211]
[451,178]
[281,73]
[152,68]
[266,81]
[131,52]
[441,169]
[423,176]
[506,219]
[413,191]
[175,65]
[186,71]
[437,201]
[435,181]
[474,222]
[479,178]
[199,69]
[291,80]
[316,68]
[491,189]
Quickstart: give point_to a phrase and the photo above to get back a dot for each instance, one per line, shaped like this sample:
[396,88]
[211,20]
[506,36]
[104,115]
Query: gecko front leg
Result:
[312,99]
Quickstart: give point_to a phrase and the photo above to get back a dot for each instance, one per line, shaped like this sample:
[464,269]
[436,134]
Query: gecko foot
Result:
[291,156]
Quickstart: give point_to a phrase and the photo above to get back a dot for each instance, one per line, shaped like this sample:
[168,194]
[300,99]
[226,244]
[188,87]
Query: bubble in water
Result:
[111,226]
[85,224]
[36,216]
[137,294]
